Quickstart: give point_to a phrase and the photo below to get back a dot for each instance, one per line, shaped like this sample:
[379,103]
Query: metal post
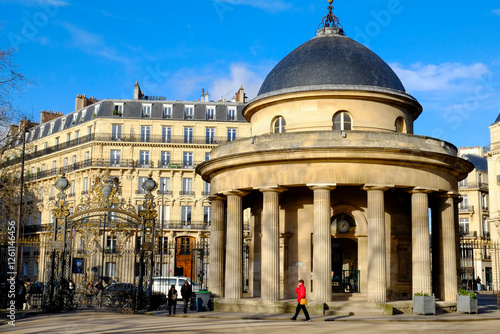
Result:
[102,255]
[20,213]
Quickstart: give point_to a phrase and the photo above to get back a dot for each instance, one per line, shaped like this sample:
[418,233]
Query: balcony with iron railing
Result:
[477,185]
[107,163]
[466,208]
[128,138]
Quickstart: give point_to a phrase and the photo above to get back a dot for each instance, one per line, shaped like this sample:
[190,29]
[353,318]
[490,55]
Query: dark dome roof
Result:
[331,60]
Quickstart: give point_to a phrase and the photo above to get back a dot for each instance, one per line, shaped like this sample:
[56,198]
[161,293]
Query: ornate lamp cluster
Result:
[330,20]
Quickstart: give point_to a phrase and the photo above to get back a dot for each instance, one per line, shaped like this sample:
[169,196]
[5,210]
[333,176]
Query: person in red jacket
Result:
[300,290]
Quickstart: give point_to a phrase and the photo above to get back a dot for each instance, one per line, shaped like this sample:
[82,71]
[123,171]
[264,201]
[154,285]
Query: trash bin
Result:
[203,301]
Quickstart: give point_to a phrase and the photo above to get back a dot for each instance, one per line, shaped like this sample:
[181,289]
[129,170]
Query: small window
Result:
[231,113]
[146,110]
[118,110]
[400,125]
[342,121]
[84,112]
[167,111]
[279,125]
[210,113]
[188,112]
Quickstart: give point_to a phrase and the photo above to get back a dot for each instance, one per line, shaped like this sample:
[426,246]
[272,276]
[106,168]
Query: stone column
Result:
[234,245]
[377,279]
[448,280]
[270,286]
[322,243]
[421,255]
[217,242]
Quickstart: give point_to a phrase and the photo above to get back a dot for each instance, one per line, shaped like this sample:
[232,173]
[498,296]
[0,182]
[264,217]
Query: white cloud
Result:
[496,11]
[269,5]
[218,80]
[438,78]
[93,43]
[239,74]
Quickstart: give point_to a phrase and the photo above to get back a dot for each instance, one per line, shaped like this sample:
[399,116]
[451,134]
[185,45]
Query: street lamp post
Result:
[148,214]
[54,292]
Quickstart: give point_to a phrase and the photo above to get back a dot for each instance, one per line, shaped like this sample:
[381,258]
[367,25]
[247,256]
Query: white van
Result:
[163,284]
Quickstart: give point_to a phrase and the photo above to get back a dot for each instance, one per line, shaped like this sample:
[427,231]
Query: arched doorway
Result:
[184,256]
[345,271]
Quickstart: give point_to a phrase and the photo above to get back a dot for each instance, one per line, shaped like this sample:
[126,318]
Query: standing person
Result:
[29,289]
[300,290]
[172,299]
[186,292]
[478,282]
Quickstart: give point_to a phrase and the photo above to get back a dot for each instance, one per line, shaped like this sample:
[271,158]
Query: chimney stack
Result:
[240,95]
[82,101]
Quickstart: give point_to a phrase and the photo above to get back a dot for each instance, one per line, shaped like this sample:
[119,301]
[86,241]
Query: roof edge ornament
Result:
[330,23]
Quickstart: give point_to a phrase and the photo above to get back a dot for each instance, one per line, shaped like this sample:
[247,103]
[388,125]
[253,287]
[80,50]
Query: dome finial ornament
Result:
[331,21]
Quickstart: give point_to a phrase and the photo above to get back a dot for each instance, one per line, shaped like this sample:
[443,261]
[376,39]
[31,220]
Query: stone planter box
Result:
[466,304]
[424,304]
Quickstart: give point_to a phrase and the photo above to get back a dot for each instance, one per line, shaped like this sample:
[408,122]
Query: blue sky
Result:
[446,53]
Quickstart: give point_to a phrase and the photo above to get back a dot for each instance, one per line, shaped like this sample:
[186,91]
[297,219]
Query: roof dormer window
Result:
[188,112]
[146,110]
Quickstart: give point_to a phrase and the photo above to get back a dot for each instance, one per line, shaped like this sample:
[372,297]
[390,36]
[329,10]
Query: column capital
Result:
[216,197]
[317,186]
[382,187]
[275,189]
[449,194]
[421,190]
[235,192]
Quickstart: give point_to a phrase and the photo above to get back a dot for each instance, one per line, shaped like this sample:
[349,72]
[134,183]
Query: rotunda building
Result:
[338,190]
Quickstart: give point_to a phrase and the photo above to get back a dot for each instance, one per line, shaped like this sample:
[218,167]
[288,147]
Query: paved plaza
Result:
[487,321]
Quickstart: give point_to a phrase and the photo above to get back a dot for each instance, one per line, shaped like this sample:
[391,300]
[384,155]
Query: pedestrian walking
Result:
[172,299]
[186,292]
[300,290]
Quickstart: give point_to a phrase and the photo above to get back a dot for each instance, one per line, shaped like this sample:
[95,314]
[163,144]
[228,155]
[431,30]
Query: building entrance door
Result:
[345,273]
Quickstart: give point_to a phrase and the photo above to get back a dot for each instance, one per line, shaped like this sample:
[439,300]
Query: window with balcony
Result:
[231,113]
[111,244]
[65,164]
[210,113]
[85,186]
[164,214]
[210,136]
[188,112]
[231,134]
[188,135]
[187,159]
[167,111]
[207,215]
[145,133]
[146,110]
[115,157]
[342,121]
[73,162]
[186,215]
[463,183]
[141,181]
[206,188]
[164,158]
[144,158]
[68,138]
[464,226]
[187,186]
[164,186]
[166,134]
[116,132]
